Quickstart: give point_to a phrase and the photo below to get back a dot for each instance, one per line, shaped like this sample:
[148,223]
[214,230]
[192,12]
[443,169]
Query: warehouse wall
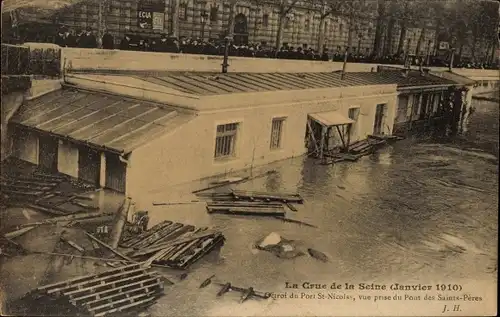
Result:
[25,145]
[188,153]
[67,158]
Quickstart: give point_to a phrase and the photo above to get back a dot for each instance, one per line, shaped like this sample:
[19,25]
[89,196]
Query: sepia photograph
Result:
[249,158]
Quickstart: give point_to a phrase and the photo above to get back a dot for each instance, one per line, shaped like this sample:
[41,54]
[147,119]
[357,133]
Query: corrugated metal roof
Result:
[202,83]
[112,122]
[331,118]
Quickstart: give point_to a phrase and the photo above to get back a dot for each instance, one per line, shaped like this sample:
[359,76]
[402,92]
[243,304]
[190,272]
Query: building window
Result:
[183,12]
[353,113]
[287,23]
[213,14]
[306,25]
[341,28]
[225,140]
[265,20]
[276,133]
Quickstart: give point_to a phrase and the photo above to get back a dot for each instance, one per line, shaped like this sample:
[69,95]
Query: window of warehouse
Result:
[276,133]
[225,141]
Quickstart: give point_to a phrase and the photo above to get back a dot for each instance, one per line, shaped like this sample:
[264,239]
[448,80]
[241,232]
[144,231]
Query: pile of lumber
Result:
[252,202]
[39,192]
[172,244]
[246,208]
[123,290]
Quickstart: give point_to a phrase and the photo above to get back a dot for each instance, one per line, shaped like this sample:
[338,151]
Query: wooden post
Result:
[349,127]
[322,142]
[119,223]
[452,57]
[341,136]
[311,134]
[342,76]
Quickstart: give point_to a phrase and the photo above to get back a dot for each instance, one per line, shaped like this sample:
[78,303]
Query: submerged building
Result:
[141,132]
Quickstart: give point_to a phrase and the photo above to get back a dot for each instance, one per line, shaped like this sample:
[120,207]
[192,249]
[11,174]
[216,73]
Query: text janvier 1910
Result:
[374,287]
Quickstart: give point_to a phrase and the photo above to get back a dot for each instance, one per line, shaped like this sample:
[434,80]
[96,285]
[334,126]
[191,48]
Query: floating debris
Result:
[318,255]
[207,281]
[282,248]
[120,290]
[172,244]
[246,292]
[39,191]
[267,196]
[246,208]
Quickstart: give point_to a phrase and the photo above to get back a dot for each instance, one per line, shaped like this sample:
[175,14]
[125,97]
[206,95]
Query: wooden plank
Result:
[121,255]
[255,212]
[17,233]
[220,185]
[68,218]
[291,207]
[136,238]
[160,235]
[104,283]
[243,208]
[86,277]
[142,284]
[245,203]
[150,300]
[98,295]
[130,299]
[295,221]
[189,238]
[275,196]
[184,247]
[73,244]
[207,246]
[21,187]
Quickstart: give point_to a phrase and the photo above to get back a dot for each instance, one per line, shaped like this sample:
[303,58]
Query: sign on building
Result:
[444,45]
[151,14]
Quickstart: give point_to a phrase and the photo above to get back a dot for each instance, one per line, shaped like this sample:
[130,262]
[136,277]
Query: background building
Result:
[365,26]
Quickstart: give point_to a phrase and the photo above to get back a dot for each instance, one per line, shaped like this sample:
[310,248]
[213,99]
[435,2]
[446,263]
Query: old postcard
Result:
[249,158]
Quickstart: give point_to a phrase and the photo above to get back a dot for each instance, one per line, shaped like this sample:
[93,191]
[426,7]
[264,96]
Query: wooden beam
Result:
[341,136]
[311,134]
[349,127]
[322,142]
[121,255]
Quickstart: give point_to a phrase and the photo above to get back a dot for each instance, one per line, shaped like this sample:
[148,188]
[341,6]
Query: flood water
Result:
[417,211]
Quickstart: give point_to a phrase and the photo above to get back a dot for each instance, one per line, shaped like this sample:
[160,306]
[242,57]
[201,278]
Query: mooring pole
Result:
[345,63]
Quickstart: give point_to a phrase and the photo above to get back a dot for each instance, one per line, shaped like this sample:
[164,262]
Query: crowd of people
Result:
[86,39]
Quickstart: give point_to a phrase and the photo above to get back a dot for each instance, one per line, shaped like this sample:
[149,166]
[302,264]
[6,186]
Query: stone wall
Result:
[115,60]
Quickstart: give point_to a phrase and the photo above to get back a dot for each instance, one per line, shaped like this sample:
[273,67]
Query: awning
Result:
[330,118]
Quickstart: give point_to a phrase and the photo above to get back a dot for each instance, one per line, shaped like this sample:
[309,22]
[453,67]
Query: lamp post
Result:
[203,16]
[360,37]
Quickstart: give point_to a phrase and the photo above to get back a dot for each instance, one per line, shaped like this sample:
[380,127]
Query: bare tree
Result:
[284,7]
[326,8]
